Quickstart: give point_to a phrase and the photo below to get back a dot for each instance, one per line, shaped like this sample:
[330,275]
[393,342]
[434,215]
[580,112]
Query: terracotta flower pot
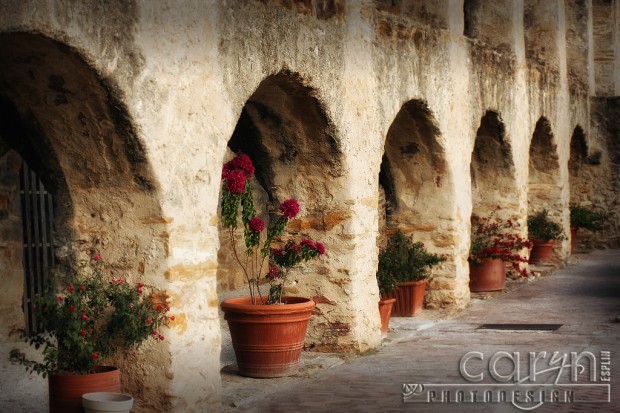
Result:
[385,310]
[66,389]
[268,339]
[409,298]
[573,239]
[490,275]
[541,251]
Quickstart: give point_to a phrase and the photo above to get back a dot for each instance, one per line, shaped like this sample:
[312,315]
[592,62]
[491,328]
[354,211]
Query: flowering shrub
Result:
[495,238]
[86,317]
[264,263]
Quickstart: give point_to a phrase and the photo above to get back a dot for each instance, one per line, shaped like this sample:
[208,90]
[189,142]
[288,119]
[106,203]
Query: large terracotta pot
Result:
[66,389]
[573,239]
[490,275]
[385,310]
[409,298]
[541,251]
[268,339]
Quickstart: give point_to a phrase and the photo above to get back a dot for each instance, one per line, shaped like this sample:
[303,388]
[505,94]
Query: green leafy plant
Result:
[404,260]
[541,227]
[586,218]
[268,259]
[86,316]
[496,238]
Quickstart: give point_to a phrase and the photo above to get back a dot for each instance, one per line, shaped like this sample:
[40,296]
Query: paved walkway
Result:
[583,298]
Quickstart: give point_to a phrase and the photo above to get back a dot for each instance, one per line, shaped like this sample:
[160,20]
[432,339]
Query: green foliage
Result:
[586,218]
[541,227]
[87,317]
[404,260]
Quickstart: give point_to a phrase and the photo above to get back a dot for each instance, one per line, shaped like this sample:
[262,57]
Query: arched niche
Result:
[544,185]
[71,126]
[287,134]
[492,169]
[415,190]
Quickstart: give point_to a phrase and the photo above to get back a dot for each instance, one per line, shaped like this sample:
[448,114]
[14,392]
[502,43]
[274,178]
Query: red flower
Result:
[71,308]
[97,257]
[274,273]
[84,317]
[171,318]
[70,287]
[244,163]
[289,208]
[95,356]
[277,252]
[167,308]
[161,337]
[59,299]
[320,247]
[159,307]
[154,332]
[308,242]
[140,285]
[83,287]
[149,321]
[226,170]
[235,183]
[256,224]
[82,332]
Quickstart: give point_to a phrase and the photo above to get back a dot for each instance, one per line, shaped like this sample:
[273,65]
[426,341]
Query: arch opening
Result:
[71,126]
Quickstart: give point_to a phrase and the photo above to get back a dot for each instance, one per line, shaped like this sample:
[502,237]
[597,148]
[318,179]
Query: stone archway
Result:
[71,126]
[544,184]
[577,167]
[492,170]
[414,183]
[287,134]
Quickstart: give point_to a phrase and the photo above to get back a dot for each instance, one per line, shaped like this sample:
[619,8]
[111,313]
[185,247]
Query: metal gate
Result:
[38,233]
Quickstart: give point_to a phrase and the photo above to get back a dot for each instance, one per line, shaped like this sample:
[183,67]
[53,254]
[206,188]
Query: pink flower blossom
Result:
[243,163]
[274,273]
[97,257]
[320,247]
[256,224]
[308,242]
[84,317]
[235,183]
[289,208]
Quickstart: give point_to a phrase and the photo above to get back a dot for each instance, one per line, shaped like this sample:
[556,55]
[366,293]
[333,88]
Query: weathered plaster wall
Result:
[11,246]
[138,101]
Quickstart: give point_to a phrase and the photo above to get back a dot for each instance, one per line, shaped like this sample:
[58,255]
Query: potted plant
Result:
[387,283]
[582,217]
[86,316]
[543,232]
[409,264]
[267,328]
[494,242]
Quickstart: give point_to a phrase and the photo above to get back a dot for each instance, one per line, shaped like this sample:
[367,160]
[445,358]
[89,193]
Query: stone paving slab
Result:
[584,298]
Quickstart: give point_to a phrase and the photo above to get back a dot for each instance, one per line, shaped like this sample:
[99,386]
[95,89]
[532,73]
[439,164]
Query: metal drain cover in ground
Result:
[520,327]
